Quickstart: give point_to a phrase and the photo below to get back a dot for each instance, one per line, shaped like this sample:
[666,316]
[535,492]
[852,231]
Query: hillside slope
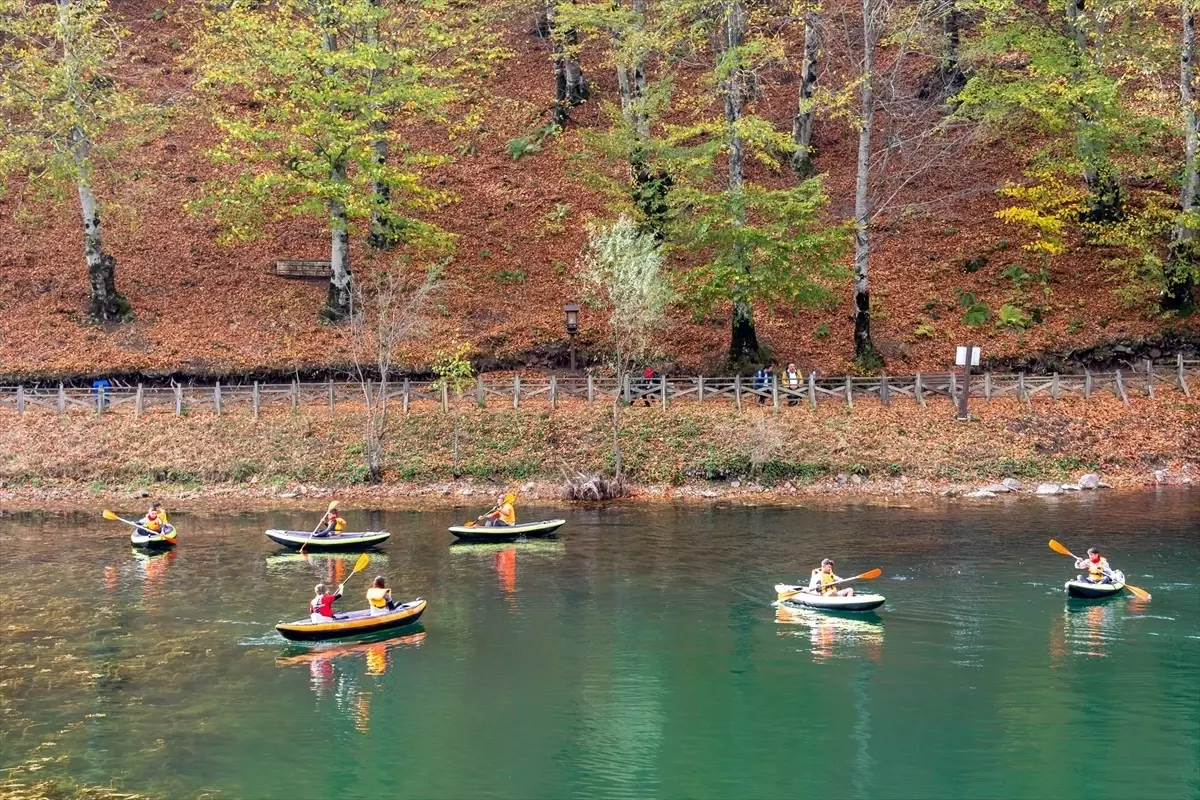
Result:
[204,308]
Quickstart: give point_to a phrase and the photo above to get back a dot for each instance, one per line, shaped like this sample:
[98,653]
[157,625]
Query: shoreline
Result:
[841,490]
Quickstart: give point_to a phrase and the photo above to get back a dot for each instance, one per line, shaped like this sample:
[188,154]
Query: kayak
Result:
[1086,590]
[154,541]
[856,602]
[501,533]
[354,623]
[336,541]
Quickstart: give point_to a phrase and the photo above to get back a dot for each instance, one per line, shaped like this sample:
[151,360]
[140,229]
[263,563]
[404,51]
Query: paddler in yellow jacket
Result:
[380,597]
[1096,566]
[822,581]
[504,515]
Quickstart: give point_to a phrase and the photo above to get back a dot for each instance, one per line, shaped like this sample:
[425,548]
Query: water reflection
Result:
[834,636]
[1083,629]
[331,671]
[326,567]
[154,571]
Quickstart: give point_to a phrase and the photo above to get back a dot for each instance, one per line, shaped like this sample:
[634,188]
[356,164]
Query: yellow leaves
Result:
[1046,207]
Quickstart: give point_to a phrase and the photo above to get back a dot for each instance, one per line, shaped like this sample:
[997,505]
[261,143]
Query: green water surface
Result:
[639,655]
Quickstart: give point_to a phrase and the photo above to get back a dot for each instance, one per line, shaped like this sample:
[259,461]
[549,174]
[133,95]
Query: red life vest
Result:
[322,605]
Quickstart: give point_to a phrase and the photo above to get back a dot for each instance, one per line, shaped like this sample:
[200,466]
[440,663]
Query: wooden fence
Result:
[738,391]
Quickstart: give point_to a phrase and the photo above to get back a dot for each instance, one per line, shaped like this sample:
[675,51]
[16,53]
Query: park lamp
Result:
[572,312]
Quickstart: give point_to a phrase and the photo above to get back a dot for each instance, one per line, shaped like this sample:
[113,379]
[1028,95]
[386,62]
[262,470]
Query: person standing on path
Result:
[792,375]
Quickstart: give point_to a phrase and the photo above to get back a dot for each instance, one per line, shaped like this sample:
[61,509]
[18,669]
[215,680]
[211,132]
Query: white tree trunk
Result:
[864,350]
[743,337]
[1105,199]
[382,235]
[802,122]
[337,305]
[1187,99]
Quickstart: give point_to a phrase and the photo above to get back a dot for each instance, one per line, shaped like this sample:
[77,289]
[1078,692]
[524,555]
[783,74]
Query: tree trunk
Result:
[648,185]
[950,67]
[864,350]
[570,88]
[383,235]
[337,305]
[616,433]
[802,122]
[105,305]
[743,341]
[1106,201]
[1179,283]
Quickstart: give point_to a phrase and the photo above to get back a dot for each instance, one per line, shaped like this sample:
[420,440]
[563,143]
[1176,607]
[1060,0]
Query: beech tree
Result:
[64,115]
[806,107]
[1183,267]
[305,93]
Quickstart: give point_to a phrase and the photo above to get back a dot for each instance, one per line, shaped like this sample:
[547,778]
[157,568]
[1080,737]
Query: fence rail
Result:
[1144,379]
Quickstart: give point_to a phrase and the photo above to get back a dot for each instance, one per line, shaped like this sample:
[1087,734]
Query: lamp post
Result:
[572,313]
[966,357]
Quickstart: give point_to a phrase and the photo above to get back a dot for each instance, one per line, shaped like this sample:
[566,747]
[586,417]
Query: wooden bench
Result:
[303,269]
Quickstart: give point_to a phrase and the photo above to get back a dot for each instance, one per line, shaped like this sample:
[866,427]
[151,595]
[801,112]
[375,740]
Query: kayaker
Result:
[821,579]
[380,597]
[151,522]
[1096,565]
[504,514]
[335,524]
[320,609]
[157,508]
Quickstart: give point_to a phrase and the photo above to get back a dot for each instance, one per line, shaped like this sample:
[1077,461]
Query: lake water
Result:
[639,655]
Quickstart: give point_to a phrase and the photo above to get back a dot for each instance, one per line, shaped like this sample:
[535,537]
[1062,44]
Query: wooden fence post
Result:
[407,394]
[516,391]
[812,388]
[1087,384]
[626,389]
[849,393]
[987,386]
[331,396]
[445,398]
[178,400]
[737,391]
[1149,378]
[884,393]
[775,389]
[591,390]
[918,392]
[954,387]
[217,398]
[700,389]
[257,399]
[1121,389]
[137,402]
[480,392]
[553,392]
[62,393]
[662,386]
[1021,395]
[20,399]
[1183,384]
[295,393]
[100,401]
[1054,386]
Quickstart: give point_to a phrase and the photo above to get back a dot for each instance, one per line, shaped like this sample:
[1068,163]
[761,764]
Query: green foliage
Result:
[530,142]
[509,276]
[822,331]
[976,312]
[1010,316]
[553,221]
[454,370]
[925,330]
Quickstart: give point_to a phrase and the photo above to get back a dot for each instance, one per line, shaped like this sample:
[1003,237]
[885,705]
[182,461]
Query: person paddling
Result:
[821,579]
[320,609]
[1096,565]
[504,515]
[151,522]
[380,597]
[335,524]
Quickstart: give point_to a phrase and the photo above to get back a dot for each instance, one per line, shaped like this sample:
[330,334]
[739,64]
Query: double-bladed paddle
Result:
[866,576]
[1140,594]
[111,516]
[359,566]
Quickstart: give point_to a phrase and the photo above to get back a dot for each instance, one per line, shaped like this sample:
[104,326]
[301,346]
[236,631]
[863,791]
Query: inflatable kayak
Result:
[354,623]
[502,533]
[154,541]
[833,602]
[1086,590]
[336,541]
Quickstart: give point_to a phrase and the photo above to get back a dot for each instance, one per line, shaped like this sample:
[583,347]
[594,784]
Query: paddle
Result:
[110,515]
[359,566]
[473,522]
[866,576]
[332,507]
[1139,593]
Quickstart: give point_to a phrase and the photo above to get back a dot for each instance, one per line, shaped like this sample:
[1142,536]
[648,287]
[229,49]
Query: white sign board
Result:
[960,357]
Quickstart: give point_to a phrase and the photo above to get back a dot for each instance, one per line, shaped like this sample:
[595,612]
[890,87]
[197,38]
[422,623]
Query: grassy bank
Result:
[686,443]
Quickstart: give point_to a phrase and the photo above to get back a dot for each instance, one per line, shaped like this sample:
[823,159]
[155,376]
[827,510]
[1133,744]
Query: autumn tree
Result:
[806,105]
[1183,266]
[65,115]
[306,94]
[622,272]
